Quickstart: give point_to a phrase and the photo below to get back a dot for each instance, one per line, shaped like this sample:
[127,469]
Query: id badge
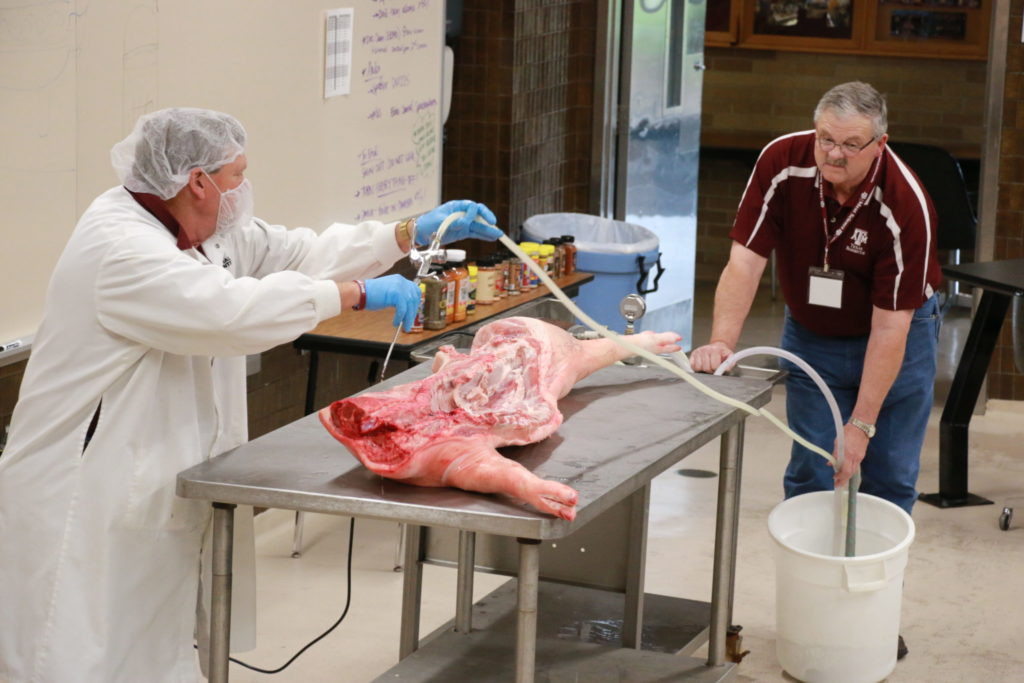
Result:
[826,287]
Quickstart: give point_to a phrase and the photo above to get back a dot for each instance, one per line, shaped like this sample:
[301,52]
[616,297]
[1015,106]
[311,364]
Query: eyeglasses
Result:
[847,148]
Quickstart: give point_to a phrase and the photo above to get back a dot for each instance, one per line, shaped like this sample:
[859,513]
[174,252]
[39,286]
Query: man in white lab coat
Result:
[138,372]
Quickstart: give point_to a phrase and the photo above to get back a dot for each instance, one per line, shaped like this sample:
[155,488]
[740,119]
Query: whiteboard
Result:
[75,75]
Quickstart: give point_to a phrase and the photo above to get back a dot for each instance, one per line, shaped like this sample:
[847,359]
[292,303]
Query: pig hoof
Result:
[557,499]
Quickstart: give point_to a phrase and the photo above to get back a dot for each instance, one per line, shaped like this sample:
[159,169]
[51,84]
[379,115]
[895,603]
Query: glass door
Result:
[658,144]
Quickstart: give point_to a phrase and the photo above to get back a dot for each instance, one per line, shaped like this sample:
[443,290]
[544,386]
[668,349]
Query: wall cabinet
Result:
[946,29]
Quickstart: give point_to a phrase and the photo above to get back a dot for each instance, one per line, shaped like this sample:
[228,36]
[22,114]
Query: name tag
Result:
[826,287]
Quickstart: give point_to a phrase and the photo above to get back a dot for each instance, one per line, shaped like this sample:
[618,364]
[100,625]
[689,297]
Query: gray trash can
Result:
[619,254]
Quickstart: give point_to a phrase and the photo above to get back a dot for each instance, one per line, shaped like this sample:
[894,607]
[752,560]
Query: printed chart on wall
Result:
[372,57]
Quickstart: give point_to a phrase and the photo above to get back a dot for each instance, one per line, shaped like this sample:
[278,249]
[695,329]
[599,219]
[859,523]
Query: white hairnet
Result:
[165,145]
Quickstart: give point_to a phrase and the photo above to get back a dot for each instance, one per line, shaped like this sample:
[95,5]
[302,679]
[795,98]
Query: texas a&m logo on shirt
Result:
[857,241]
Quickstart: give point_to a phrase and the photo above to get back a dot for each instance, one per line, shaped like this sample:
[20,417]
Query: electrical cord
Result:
[348,603]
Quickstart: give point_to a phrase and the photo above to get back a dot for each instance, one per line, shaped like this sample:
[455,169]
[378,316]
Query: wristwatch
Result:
[863,426]
[407,227]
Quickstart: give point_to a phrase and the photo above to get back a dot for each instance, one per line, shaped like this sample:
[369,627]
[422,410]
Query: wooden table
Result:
[369,333]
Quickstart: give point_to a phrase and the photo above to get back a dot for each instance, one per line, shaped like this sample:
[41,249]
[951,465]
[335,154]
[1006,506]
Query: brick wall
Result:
[757,95]
[519,131]
[277,393]
[1004,381]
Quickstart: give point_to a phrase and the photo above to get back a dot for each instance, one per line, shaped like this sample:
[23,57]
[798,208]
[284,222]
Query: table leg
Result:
[526,631]
[725,540]
[636,563]
[220,607]
[963,394]
[314,365]
[464,582]
[740,432]
[300,520]
[412,586]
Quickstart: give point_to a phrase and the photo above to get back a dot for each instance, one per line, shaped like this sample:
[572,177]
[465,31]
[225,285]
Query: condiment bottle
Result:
[547,259]
[450,276]
[559,269]
[474,279]
[525,274]
[532,279]
[503,266]
[435,299]
[514,276]
[460,275]
[486,283]
[571,251]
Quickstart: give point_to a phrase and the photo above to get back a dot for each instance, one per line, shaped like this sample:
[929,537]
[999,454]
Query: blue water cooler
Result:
[620,255]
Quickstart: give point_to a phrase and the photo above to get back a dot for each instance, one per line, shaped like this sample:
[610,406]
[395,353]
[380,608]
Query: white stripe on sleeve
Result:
[788,172]
[928,228]
[897,248]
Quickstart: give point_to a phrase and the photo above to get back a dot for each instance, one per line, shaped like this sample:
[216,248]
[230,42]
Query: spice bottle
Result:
[534,253]
[486,282]
[558,271]
[503,266]
[571,251]
[514,279]
[435,299]
[526,276]
[449,275]
[460,276]
[548,260]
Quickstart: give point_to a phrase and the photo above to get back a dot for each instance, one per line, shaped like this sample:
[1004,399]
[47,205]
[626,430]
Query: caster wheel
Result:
[1005,519]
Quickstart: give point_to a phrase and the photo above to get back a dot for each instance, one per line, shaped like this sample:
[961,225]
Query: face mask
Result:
[235,208]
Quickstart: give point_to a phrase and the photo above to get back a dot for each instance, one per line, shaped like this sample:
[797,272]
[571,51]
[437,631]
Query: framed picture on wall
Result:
[804,18]
[810,25]
[915,24]
[944,29]
[941,28]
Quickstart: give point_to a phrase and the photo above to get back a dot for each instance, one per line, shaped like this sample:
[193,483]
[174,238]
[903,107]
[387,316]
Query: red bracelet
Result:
[362,296]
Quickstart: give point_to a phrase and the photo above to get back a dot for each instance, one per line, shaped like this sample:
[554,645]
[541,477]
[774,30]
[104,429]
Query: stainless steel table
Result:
[623,426]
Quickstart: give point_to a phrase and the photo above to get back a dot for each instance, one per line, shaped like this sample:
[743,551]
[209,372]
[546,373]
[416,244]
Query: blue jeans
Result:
[889,470]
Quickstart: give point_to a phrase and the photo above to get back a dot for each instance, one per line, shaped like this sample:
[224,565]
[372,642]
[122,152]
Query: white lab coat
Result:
[99,559]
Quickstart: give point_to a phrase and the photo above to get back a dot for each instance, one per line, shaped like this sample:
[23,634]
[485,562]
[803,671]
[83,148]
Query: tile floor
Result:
[963,607]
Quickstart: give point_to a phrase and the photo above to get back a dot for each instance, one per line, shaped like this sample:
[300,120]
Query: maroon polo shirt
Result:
[887,252]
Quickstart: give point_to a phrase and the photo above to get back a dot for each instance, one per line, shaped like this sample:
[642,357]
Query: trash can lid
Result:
[592,233]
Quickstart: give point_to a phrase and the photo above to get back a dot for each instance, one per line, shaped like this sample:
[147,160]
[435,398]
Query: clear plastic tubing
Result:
[844,538]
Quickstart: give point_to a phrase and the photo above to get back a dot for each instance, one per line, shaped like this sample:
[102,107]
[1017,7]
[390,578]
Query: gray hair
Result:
[855,99]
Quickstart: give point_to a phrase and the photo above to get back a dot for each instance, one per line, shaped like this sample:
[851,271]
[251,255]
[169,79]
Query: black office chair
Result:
[944,181]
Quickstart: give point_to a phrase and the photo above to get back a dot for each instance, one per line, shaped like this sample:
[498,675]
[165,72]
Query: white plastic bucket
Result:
[838,618]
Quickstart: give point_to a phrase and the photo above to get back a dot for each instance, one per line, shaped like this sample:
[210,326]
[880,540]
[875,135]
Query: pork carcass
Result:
[444,430]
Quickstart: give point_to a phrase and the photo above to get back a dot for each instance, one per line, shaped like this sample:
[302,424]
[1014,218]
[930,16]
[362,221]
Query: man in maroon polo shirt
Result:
[853,231]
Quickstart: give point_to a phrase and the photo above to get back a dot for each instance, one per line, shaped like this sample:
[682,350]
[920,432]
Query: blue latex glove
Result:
[394,290]
[464,227]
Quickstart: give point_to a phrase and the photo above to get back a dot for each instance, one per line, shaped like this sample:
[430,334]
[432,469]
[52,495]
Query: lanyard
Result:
[864,196]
